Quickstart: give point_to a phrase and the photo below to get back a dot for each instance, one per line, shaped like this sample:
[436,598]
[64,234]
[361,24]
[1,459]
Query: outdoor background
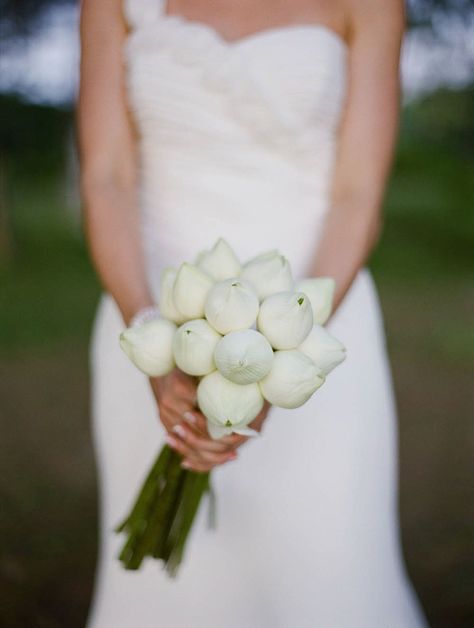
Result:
[48,294]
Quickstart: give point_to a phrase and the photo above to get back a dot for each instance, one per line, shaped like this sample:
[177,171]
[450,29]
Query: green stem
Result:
[159,523]
[195,486]
[148,492]
[146,520]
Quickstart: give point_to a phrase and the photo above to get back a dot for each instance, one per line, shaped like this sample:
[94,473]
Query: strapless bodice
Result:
[236,139]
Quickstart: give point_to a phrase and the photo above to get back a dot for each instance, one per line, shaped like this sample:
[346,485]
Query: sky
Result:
[45,68]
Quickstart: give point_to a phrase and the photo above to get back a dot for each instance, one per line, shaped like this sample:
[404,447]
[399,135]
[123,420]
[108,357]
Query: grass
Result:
[47,300]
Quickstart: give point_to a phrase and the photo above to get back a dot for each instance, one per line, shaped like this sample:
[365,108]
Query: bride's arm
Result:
[107,153]
[366,141]
[108,185]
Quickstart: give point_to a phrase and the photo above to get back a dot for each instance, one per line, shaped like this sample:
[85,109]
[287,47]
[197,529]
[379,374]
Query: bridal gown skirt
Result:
[307,532]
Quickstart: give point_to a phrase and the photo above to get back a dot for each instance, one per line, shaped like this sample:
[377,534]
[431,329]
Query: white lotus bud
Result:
[199,257]
[167,306]
[220,262]
[244,356]
[292,379]
[323,349]
[231,305]
[268,273]
[150,346]
[193,347]
[320,291]
[285,318]
[190,291]
[228,407]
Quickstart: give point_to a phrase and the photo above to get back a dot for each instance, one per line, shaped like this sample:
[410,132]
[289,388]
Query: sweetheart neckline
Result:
[255,36]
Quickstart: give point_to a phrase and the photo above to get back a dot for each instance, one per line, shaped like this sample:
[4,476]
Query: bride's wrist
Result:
[144,315]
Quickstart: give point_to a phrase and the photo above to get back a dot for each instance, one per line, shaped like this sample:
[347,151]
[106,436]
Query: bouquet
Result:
[250,333]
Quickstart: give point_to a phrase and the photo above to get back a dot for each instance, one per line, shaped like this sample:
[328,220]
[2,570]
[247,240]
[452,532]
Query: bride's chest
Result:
[284,80]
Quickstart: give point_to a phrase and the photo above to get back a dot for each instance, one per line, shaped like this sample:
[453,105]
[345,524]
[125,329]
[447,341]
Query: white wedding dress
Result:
[238,140]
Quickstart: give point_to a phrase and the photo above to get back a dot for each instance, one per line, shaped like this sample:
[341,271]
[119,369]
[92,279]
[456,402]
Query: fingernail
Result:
[232,457]
[179,430]
[189,416]
[185,465]
[170,440]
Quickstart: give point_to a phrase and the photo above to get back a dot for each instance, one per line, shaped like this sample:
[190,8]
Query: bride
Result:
[270,123]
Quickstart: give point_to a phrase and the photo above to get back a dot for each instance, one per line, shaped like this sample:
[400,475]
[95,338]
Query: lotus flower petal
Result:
[245,431]
[323,349]
[243,357]
[226,404]
[292,379]
[167,307]
[220,262]
[149,346]
[218,431]
[194,345]
[190,290]
[285,319]
[320,291]
[268,273]
[231,305]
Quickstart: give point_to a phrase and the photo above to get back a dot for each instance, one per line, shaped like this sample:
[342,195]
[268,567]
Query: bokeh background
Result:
[48,293]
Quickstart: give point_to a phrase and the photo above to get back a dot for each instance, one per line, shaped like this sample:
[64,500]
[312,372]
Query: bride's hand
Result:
[187,427]
[175,395]
[201,452]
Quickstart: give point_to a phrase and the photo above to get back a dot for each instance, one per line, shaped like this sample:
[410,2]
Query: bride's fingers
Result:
[198,421]
[192,432]
[183,421]
[191,416]
[198,456]
[178,410]
[196,467]
[198,441]
[200,466]
[166,419]
[185,387]
[234,440]
[184,394]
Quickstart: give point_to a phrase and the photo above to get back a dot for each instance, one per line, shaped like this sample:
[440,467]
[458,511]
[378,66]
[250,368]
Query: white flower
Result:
[190,291]
[323,349]
[167,306]
[243,357]
[292,379]
[228,407]
[194,345]
[231,305]
[285,318]
[149,346]
[320,291]
[220,262]
[268,273]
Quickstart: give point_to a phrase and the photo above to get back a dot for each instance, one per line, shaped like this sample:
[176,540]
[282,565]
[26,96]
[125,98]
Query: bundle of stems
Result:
[159,523]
